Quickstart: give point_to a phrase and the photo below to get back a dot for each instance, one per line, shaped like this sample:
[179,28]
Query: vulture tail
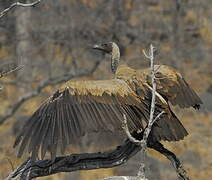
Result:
[190,96]
[168,128]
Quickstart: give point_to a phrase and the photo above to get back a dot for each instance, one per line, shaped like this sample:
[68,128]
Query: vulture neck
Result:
[115,58]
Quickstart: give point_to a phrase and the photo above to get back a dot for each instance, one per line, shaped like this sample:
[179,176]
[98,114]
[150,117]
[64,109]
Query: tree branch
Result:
[12,110]
[8,68]
[29,170]
[143,142]
[16,4]
[150,56]
[157,145]
[87,161]
[126,130]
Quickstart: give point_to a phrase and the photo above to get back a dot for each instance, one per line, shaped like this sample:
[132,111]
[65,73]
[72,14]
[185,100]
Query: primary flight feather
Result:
[79,107]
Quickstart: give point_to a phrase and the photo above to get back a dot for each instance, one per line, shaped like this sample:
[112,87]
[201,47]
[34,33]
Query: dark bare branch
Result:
[49,82]
[88,161]
[16,4]
[74,162]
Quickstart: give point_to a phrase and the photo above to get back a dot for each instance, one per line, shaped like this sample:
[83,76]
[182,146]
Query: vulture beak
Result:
[101,47]
[98,47]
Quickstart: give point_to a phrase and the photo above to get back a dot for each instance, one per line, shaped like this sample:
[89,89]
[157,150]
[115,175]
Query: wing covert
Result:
[79,107]
[172,86]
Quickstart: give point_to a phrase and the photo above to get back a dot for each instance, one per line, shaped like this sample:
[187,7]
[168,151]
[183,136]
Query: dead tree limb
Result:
[49,82]
[16,4]
[152,118]
[8,68]
[126,129]
[74,162]
[157,145]
[150,57]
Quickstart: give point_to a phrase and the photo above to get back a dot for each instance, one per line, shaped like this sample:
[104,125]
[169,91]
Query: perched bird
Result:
[80,106]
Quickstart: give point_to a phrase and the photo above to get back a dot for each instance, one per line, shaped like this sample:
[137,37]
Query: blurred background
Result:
[53,40]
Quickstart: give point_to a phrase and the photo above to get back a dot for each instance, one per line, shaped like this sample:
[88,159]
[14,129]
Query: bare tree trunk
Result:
[178,33]
[23,47]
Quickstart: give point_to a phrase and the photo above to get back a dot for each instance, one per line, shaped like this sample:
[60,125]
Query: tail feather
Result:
[190,96]
[168,129]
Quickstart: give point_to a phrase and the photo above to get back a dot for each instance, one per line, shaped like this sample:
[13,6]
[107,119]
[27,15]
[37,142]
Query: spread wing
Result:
[172,86]
[79,107]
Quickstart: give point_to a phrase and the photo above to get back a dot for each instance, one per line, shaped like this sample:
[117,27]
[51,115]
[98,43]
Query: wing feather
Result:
[70,112]
[92,118]
[24,137]
[98,110]
[62,142]
[45,137]
[172,86]
[70,134]
[34,132]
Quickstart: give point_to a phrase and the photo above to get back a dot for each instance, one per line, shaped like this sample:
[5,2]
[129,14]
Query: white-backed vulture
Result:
[79,107]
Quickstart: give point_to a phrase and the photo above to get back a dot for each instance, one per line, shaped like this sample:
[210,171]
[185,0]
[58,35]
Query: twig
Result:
[49,82]
[158,116]
[155,145]
[160,78]
[157,69]
[143,142]
[11,71]
[8,68]
[126,129]
[150,56]
[141,171]
[16,4]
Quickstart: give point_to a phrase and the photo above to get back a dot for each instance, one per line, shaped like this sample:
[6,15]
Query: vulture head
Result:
[112,49]
[105,47]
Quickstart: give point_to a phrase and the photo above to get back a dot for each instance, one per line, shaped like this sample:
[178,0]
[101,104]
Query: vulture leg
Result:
[171,156]
[157,146]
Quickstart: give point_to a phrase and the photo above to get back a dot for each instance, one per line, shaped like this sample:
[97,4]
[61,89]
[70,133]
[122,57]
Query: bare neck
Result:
[115,58]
